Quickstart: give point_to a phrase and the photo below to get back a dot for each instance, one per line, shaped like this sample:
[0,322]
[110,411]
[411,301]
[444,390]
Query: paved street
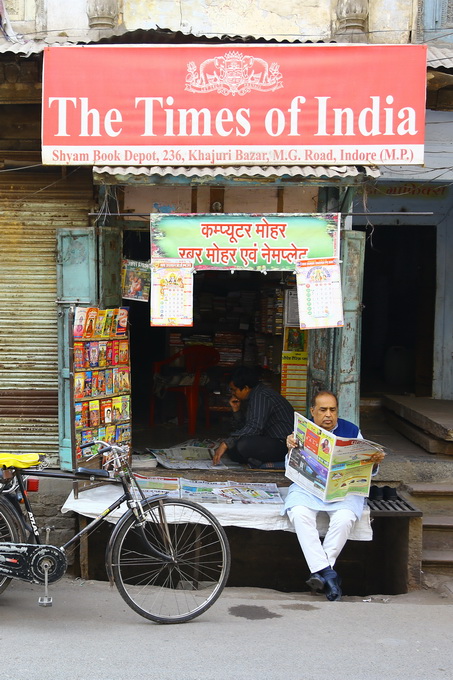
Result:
[90,634]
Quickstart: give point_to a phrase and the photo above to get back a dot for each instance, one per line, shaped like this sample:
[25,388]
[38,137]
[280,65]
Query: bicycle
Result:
[168,558]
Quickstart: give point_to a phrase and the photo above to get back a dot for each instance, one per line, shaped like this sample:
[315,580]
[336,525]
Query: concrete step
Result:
[437,532]
[430,489]
[440,561]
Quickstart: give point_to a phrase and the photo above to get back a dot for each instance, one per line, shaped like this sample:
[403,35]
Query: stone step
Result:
[437,559]
[437,532]
[430,489]
[430,415]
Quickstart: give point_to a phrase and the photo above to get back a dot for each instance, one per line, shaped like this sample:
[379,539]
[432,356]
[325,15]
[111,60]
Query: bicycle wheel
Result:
[172,591]
[11,531]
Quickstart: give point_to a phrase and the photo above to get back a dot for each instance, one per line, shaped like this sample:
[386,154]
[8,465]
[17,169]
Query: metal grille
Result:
[32,208]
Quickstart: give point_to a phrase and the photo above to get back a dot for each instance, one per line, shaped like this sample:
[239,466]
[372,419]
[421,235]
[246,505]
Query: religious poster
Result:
[319,293]
[135,280]
[171,292]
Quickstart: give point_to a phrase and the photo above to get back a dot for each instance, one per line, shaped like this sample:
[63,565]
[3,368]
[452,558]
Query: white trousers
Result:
[320,555]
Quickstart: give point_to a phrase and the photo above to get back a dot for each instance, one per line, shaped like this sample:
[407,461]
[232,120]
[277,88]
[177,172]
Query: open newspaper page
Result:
[329,467]
[229,492]
[186,458]
[158,486]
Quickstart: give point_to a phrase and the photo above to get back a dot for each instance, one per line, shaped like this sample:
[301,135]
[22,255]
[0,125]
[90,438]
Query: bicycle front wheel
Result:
[11,531]
[188,584]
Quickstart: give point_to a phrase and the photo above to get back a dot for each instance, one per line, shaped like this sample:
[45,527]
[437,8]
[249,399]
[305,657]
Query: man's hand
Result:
[291,441]
[377,457]
[218,453]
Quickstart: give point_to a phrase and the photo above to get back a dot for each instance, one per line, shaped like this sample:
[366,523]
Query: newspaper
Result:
[230,492]
[201,491]
[158,486]
[327,466]
[186,458]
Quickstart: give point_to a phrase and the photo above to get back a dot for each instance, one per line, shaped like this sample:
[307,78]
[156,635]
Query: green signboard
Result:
[239,241]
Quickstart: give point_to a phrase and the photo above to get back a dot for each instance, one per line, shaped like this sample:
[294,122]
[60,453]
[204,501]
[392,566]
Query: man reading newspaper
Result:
[303,506]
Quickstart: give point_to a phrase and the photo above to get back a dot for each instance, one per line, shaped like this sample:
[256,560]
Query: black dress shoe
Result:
[332,589]
[316,582]
[390,493]
[376,493]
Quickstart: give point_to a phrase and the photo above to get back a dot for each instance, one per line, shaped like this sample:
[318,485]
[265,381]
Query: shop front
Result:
[214,134]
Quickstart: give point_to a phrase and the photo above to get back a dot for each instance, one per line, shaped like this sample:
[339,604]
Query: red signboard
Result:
[322,104]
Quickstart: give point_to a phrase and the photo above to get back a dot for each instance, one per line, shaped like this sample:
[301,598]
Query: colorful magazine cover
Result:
[90,323]
[94,383]
[99,323]
[80,316]
[78,413]
[85,414]
[110,433]
[108,375]
[106,411]
[136,277]
[121,322]
[115,352]
[125,407]
[107,324]
[101,383]
[123,433]
[102,358]
[94,413]
[79,385]
[79,356]
[94,354]
[123,352]
[116,409]
[87,386]
[114,322]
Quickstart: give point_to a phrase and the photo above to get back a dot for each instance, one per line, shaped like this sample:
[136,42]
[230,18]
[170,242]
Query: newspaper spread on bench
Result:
[329,467]
[209,492]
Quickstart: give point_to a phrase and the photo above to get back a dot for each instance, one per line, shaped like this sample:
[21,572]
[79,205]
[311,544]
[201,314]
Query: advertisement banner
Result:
[259,242]
[241,104]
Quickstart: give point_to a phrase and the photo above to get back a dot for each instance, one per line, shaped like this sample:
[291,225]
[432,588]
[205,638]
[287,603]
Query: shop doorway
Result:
[398,315]
[239,312]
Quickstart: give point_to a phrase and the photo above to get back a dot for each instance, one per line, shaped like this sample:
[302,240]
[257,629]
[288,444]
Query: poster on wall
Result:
[319,293]
[241,104]
[135,280]
[244,241]
[171,292]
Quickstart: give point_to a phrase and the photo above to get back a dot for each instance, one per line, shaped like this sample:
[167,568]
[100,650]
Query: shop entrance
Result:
[398,315]
[240,313]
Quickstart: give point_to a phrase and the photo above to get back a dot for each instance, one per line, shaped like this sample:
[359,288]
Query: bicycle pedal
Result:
[45,601]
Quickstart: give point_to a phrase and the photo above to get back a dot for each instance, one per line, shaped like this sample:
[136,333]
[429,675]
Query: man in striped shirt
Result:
[262,418]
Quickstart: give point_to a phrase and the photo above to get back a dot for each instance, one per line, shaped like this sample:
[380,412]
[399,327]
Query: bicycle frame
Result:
[126,496]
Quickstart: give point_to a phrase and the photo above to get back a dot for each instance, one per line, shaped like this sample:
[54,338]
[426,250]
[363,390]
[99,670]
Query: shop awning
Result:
[206,175]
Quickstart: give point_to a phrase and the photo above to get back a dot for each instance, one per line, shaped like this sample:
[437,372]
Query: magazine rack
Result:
[101,384]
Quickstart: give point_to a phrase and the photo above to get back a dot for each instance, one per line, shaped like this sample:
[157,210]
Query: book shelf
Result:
[101,378]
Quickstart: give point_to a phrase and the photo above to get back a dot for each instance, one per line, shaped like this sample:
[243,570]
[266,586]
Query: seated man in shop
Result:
[262,419]
[302,506]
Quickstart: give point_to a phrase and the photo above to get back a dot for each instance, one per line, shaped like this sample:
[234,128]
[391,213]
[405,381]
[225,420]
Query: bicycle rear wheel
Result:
[183,588]
[11,531]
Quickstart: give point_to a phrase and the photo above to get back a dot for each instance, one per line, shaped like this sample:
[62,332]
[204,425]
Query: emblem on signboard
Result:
[233,73]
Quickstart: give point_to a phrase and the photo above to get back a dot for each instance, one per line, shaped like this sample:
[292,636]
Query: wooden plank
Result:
[431,415]
[423,439]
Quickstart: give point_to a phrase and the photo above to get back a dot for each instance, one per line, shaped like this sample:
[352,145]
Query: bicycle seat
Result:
[19,460]
[90,472]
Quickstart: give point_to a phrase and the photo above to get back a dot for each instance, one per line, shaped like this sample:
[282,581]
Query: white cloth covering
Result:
[92,502]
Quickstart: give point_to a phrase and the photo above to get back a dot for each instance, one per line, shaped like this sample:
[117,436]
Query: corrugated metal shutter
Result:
[32,208]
